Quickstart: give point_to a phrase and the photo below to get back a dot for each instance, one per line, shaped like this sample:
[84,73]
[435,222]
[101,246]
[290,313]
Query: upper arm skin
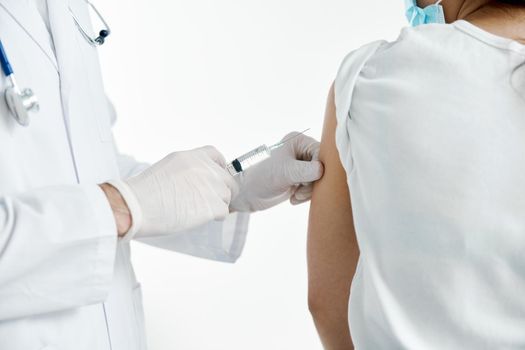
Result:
[332,247]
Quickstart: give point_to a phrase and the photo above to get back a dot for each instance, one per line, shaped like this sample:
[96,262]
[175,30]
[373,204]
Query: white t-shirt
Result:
[431,133]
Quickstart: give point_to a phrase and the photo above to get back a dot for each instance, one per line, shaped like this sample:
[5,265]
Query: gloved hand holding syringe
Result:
[269,175]
[256,156]
[187,189]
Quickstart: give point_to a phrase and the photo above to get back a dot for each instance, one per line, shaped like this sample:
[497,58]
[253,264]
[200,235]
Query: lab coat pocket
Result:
[139,318]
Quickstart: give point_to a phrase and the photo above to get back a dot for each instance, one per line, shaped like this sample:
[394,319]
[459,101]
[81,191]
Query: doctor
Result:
[70,203]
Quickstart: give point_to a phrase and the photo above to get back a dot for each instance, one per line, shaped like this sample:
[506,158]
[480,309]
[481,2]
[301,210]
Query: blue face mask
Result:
[430,14]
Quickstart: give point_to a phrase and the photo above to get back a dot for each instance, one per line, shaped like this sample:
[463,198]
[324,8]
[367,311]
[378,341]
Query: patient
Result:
[426,135]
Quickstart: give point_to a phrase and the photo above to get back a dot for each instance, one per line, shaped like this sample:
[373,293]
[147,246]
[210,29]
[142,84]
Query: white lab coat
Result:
[66,283]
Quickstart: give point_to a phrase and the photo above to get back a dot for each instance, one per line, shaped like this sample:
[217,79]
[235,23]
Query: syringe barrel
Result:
[249,159]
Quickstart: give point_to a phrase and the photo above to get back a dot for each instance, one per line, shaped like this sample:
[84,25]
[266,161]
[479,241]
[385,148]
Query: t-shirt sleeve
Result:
[344,87]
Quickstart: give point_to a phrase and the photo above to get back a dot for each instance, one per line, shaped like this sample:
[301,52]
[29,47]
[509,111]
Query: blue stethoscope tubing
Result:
[4,61]
[19,102]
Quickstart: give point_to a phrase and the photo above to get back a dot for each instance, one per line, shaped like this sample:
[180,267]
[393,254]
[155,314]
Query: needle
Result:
[280,144]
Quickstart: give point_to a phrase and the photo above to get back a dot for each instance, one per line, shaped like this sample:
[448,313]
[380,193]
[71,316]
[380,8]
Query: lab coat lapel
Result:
[67,52]
[30,20]
[63,30]
[84,103]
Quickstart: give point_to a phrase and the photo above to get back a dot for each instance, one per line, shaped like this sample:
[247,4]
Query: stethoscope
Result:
[22,102]
[19,102]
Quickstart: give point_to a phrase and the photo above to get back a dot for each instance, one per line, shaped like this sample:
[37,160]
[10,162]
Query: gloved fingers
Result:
[219,209]
[214,155]
[221,190]
[315,151]
[295,201]
[299,171]
[217,167]
[231,183]
[303,193]
[304,147]
[215,193]
[280,198]
[227,184]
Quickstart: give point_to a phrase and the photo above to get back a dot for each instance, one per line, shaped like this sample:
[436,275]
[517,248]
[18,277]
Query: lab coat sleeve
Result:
[216,240]
[57,250]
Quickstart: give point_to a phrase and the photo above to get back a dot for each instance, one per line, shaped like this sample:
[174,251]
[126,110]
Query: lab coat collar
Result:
[31,22]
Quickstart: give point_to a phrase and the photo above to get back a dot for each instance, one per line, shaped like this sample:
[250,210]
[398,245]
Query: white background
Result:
[234,74]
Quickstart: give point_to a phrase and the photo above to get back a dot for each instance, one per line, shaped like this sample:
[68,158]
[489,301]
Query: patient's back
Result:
[431,132]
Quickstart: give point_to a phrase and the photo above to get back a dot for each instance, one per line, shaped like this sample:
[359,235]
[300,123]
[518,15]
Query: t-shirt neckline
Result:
[489,38]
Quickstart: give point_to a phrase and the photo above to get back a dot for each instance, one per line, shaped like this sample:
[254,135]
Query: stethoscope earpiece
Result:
[102,35]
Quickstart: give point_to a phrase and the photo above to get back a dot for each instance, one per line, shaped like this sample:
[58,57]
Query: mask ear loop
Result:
[442,13]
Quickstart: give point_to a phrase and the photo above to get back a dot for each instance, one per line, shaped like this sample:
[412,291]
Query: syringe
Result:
[256,156]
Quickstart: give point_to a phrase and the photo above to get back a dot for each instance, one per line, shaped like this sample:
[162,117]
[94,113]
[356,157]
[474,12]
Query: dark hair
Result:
[509,6]
[512,2]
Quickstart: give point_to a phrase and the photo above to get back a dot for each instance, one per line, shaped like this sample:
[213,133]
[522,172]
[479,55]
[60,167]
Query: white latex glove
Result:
[183,190]
[288,174]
